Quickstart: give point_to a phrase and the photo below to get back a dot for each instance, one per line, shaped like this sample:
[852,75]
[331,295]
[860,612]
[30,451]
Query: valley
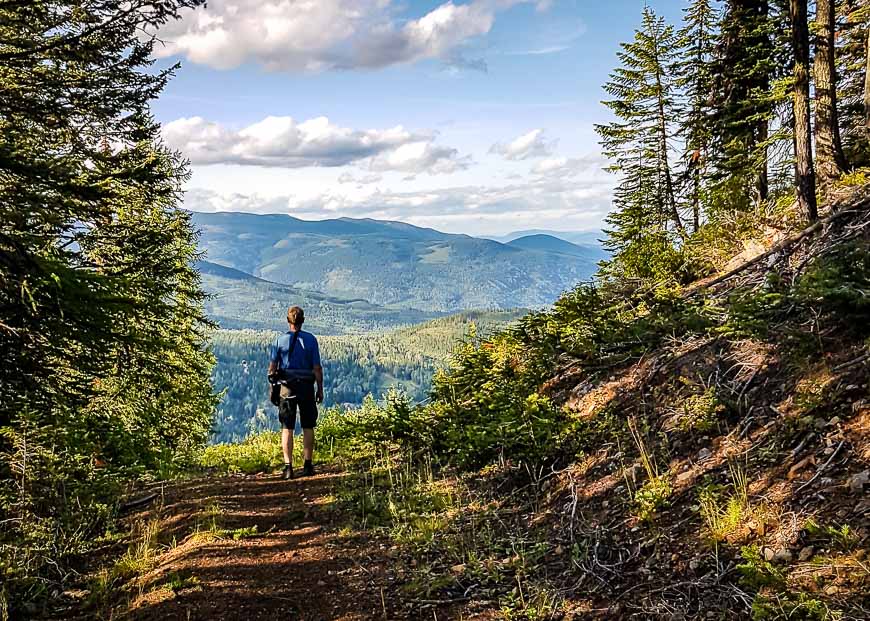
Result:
[356,366]
[368,348]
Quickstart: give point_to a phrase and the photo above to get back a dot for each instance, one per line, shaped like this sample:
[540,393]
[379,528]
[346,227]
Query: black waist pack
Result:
[274,391]
[277,379]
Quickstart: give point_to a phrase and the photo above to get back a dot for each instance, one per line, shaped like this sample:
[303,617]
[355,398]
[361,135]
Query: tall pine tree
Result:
[853,86]
[645,223]
[745,66]
[101,331]
[697,40]
[805,177]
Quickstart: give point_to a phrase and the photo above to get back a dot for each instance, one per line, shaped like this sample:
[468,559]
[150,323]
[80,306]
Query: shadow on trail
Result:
[295,566]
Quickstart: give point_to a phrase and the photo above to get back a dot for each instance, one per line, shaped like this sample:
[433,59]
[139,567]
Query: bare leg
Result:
[287,445]
[307,444]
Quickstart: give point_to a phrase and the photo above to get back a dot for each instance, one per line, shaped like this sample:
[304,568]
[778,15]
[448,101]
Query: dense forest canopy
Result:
[355,366]
[105,372]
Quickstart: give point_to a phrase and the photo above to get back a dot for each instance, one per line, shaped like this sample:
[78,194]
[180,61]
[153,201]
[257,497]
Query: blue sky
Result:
[470,116]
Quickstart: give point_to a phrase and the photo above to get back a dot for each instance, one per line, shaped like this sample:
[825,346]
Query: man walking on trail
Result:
[295,365]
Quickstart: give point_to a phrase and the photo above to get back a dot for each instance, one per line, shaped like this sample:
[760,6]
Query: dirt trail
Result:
[299,565]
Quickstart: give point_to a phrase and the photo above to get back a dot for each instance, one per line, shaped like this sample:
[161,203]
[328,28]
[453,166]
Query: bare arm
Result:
[273,367]
[318,377]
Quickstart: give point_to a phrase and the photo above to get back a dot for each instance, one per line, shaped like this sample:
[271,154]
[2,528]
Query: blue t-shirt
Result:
[305,356]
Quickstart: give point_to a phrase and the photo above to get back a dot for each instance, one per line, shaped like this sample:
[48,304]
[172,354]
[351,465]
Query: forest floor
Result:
[259,547]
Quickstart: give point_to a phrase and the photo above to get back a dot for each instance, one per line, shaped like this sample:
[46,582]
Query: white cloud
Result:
[536,203]
[364,180]
[529,145]
[421,156]
[279,141]
[296,35]
[567,167]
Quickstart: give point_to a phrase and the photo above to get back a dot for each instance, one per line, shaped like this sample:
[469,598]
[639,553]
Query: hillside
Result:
[390,263]
[697,452]
[707,453]
[241,301]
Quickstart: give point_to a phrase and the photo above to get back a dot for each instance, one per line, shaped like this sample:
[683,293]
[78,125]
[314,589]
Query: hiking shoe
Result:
[288,472]
[308,469]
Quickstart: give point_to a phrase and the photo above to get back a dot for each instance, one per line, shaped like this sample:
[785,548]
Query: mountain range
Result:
[239,300]
[346,264]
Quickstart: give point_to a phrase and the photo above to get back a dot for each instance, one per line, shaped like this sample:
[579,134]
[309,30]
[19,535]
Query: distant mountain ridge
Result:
[392,264]
[239,300]
[548,243]
[581,238]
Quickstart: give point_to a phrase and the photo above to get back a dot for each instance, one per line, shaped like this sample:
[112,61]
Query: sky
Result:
[468,116]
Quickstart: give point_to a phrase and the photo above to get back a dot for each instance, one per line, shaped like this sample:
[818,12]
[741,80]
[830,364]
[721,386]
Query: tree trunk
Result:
[663,158]
[830,160]
[696,199]
[762,185]
[805,179]
[867,91]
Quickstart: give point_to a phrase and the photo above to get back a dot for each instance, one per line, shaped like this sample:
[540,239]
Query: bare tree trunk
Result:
[830,160]
[663,157]
[762,133]
[805,179]
[696,199]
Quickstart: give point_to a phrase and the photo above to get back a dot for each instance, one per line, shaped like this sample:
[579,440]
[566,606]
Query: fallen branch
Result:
[139,502]
[823,468]
[790,241]
[851,363]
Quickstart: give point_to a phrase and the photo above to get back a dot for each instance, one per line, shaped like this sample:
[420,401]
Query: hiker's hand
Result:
[319,395]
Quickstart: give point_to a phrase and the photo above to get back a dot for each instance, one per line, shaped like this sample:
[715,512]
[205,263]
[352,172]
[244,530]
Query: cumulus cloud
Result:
[529,145]
[542,202]
[279,141]
[287,35]
[421,156]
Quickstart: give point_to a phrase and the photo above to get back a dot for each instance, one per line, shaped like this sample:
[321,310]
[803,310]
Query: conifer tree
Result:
[160,386]
[697,41]
[830,160]
[805,178]
[853,85]
[98,302]
[638,143]
[745,66]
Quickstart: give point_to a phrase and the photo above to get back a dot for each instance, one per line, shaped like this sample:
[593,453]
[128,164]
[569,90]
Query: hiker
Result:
[294,365]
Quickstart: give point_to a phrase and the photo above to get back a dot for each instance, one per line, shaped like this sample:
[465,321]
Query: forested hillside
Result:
[241,301]
[390,263]
[355,366]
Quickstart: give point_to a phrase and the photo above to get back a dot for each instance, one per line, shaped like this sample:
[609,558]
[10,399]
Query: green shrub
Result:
[700,411]
[839,282]
[787,605]
[756,572]
[259,453]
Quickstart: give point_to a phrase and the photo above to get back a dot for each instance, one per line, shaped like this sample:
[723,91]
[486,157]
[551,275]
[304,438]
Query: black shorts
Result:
[304,401]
